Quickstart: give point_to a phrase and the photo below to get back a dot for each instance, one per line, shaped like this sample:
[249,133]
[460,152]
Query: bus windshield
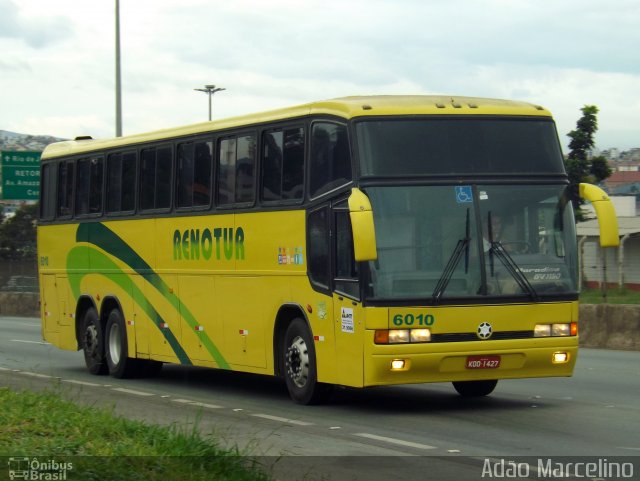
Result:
[439,243]
[454,146]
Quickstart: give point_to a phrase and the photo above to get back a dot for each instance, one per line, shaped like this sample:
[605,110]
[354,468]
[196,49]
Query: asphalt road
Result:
[414,432]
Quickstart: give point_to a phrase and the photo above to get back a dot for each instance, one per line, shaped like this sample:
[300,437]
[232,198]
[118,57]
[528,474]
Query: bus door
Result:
[348,313]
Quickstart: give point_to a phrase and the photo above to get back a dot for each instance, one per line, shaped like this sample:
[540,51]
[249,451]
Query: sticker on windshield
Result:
[464,194]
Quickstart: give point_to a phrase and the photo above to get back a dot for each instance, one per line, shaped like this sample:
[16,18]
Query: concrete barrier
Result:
[608,326]
[24,304]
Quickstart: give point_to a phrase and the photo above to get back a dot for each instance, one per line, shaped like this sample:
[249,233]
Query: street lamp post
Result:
[118,75]
[210,90]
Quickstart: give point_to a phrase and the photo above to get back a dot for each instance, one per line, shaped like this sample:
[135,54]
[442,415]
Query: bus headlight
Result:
[397,336]
[560,329]
[401,336]
[420,335]
[556,330]
[542,330]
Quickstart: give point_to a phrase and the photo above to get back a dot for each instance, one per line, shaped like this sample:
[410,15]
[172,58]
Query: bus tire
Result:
[93,343]
[475,388]
[116,348]
[300,370]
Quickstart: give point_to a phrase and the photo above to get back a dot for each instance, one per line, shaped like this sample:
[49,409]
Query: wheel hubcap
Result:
[115,347]
[297,362]
[91,341]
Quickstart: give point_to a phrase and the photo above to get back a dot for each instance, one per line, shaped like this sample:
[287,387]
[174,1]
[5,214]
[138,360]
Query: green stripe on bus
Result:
[78,267]
[101,236]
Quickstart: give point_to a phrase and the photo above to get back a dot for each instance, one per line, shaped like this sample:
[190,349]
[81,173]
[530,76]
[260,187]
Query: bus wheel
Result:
[300,366]
[120,365]
[93,343]
[475,388]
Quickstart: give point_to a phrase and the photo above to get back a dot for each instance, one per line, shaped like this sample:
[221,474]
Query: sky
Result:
[57,58]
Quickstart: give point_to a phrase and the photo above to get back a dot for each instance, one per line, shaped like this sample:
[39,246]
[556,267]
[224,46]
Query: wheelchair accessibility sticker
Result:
[464,194]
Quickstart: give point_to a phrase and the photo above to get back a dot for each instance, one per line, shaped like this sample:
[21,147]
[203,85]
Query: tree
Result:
[18,234]
[580,165]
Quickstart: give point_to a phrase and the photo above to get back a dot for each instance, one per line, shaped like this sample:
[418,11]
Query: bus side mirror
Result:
[605,213]
[364,234]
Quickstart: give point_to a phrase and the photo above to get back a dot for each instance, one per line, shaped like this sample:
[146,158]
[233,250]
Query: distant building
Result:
[620,266]
[620,178]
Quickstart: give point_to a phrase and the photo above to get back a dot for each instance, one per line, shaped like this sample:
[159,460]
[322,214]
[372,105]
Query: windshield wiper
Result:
[498,249]
[461,247]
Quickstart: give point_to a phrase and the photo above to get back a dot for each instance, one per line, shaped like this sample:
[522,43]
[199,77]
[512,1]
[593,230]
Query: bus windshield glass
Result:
[447,243]
[440,145]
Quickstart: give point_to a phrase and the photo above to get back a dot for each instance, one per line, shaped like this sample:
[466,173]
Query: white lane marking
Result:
[205,405]
[34,374]
[4,369]
[82,383]
[31,342]
[196,403]
[399,442]
[132,391]
[282,420]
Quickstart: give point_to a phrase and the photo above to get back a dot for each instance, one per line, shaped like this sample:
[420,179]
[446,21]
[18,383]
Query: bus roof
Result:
[346,107]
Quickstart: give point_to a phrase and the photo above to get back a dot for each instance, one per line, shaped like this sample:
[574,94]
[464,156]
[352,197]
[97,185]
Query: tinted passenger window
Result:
[48,195]
[155,178]
[89,186]
[236,170]
[121,182]
[194,174]
[283,165]
[318,247]
[346,280]
[65,189]
[330,159]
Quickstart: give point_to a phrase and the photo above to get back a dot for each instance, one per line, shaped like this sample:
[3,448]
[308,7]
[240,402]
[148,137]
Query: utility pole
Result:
[210,90]
[118,76]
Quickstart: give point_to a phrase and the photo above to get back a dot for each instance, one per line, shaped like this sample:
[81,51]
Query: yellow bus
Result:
[360,241]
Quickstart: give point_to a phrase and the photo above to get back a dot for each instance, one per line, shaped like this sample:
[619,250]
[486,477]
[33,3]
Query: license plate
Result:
[483,362]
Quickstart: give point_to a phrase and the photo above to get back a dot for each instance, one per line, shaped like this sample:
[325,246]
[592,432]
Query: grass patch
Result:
[614,296]
[104,446]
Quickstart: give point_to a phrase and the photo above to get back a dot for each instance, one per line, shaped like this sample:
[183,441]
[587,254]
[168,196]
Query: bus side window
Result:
[155,178]
[95,192]
[194,174]
[83,179]
[346,281]
[89,175]
[121,182]
[236,170]
[283,165]
[318,248]
[330,164]
[48,199]
[65,189]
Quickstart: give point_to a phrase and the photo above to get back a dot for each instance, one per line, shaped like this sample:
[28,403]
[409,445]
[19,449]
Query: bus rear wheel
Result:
[475,388]
[300,370]
[120,365]
[93,343]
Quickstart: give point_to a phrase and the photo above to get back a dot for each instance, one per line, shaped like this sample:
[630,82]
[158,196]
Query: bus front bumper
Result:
[424,363]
